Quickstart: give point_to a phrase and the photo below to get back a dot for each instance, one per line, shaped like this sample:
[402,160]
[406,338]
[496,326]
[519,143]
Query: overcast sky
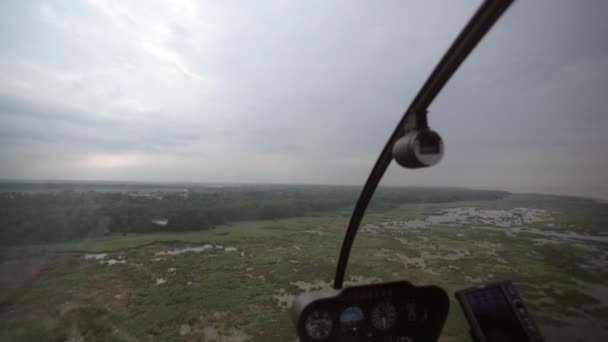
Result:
[300,92]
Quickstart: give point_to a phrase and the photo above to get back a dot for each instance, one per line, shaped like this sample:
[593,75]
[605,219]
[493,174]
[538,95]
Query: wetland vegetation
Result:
[181,262]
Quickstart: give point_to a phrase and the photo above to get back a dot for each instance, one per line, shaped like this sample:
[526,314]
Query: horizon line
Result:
[234,183]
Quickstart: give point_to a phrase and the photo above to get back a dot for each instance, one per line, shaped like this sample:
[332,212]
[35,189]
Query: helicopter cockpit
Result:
[400,311]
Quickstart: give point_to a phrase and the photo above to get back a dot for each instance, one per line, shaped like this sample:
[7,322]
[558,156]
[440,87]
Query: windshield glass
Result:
[180,170]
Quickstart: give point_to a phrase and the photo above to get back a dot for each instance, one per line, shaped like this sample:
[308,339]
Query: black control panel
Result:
[391,312]
[496,313]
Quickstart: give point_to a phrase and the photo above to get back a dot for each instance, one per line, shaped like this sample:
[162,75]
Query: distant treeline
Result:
[46,216]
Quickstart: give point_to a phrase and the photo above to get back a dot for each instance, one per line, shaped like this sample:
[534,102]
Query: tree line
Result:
[66,214]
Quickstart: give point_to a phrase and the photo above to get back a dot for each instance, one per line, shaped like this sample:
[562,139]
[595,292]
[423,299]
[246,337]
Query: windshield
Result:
[181,170]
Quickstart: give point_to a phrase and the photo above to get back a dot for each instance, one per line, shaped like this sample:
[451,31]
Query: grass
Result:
[70,296]
[240,231]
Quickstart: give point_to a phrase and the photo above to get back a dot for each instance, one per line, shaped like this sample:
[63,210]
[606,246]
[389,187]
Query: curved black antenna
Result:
[481,22]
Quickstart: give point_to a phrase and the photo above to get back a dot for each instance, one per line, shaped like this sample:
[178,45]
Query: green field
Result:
[235,282]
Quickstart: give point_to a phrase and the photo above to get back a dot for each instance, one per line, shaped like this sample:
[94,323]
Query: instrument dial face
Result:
[318,325]
[384,316]
[352,318]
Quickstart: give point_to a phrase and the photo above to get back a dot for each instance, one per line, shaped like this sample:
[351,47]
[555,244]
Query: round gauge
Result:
[318,325]
[351,318]
[384,316]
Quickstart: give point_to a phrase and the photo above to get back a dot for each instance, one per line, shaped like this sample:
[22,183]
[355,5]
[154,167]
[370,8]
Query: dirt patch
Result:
[95,256]
[212,334]
[178,251]
[194,249]
[284,299]
[18,276]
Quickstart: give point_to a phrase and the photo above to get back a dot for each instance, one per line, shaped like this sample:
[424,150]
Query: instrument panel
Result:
[496,312]
[391,312]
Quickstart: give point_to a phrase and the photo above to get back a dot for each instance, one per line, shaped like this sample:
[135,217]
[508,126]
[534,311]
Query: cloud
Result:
[26,119]
[308,92]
